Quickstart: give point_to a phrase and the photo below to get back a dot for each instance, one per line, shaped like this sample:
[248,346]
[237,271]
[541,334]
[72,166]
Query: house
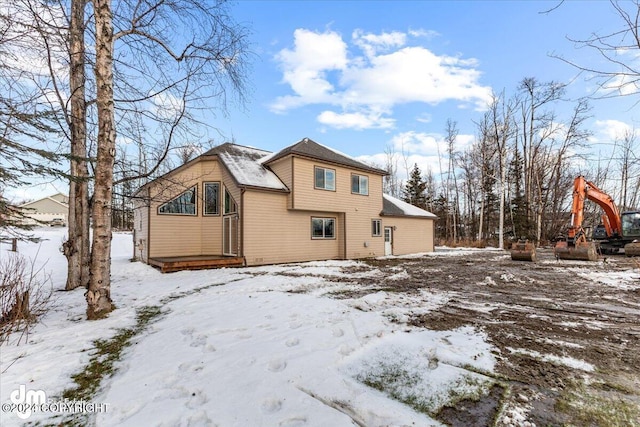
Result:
[46,209]
[247,206]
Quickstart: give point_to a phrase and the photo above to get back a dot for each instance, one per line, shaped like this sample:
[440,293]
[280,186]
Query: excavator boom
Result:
[576,245]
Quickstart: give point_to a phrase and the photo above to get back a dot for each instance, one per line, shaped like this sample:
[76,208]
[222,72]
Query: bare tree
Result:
[391,184]
[626,149]
[536,127]
[451,188]
[501,132]
[155,86]
[212,58]
[76,248]
[618,74]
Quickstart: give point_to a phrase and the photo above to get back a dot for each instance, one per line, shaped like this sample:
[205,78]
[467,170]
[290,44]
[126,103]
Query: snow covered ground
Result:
[262,346]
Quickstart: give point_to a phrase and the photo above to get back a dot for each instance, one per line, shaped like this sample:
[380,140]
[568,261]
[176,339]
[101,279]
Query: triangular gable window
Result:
[184,204]
[229,204]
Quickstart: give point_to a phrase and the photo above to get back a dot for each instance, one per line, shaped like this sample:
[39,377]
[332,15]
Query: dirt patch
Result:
[567,333]
[481,412]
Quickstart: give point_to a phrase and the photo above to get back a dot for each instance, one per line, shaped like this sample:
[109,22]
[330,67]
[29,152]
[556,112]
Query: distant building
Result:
[47,208]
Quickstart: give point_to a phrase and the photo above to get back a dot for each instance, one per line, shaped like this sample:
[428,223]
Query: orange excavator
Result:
[616,232]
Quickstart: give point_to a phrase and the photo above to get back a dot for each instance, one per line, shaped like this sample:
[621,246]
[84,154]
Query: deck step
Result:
[172,264]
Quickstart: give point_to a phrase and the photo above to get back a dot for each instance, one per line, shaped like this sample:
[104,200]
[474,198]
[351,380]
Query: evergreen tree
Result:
[518,213]
[20,132]
[414,191]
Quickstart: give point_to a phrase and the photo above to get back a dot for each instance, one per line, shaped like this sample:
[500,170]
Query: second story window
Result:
[360,184]
[325,179]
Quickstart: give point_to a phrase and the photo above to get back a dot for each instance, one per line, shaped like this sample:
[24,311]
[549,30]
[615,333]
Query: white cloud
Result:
[371,44]
[167,106]
[357,121]
[424,118]
[321,69]
[305,67]
[430,144]
[613,129]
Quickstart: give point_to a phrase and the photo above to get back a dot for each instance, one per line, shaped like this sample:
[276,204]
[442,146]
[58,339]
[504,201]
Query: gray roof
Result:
[309,148]
[396,207]
[244,165]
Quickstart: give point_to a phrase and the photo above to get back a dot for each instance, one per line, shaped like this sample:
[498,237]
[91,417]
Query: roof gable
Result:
[309,148]
[243,163]
[49,200]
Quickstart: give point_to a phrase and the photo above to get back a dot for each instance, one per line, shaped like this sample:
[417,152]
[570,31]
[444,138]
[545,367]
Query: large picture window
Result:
[323,228]
[360,184]
[184,204]
[325,179]
[211,198]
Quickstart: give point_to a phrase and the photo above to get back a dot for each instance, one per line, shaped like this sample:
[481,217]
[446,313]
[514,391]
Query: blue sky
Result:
[361,75]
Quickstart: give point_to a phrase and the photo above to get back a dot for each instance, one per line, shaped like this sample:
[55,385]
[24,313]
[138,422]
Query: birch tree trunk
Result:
[99,293]
[76,248]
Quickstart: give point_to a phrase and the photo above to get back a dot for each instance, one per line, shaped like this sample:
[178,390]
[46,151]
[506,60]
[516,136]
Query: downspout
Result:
[148,248]
[242,191]
[293,197]
[344,235]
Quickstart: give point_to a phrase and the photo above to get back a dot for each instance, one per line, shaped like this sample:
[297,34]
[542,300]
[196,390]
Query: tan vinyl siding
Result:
[308,197]
[358,209]
[411,234]
[47,206]
[283,169]
[274,234]
[184,235]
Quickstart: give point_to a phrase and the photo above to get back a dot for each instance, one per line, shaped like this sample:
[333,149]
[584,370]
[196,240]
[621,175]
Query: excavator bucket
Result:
[632,249]
[584,251]
[523,251]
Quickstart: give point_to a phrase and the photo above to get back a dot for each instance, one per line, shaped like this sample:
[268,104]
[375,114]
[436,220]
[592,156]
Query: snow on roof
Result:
[396,207]
[243,163]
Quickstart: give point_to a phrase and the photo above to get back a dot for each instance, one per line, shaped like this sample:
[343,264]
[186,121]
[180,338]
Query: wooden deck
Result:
[198,262]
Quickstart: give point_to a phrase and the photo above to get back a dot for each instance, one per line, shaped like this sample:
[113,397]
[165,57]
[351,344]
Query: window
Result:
[184,204]
[211,198]
[631,224]
[229,204]
[323,228]
[376,227]
[325,179]
[360,184]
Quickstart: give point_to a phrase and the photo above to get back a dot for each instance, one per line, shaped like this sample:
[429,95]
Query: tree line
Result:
[516,180]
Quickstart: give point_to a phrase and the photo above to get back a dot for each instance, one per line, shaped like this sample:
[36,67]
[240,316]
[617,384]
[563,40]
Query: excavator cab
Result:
[631,231]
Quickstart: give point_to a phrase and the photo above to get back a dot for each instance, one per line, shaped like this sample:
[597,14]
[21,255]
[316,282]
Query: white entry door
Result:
[388,241]
[230,235]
